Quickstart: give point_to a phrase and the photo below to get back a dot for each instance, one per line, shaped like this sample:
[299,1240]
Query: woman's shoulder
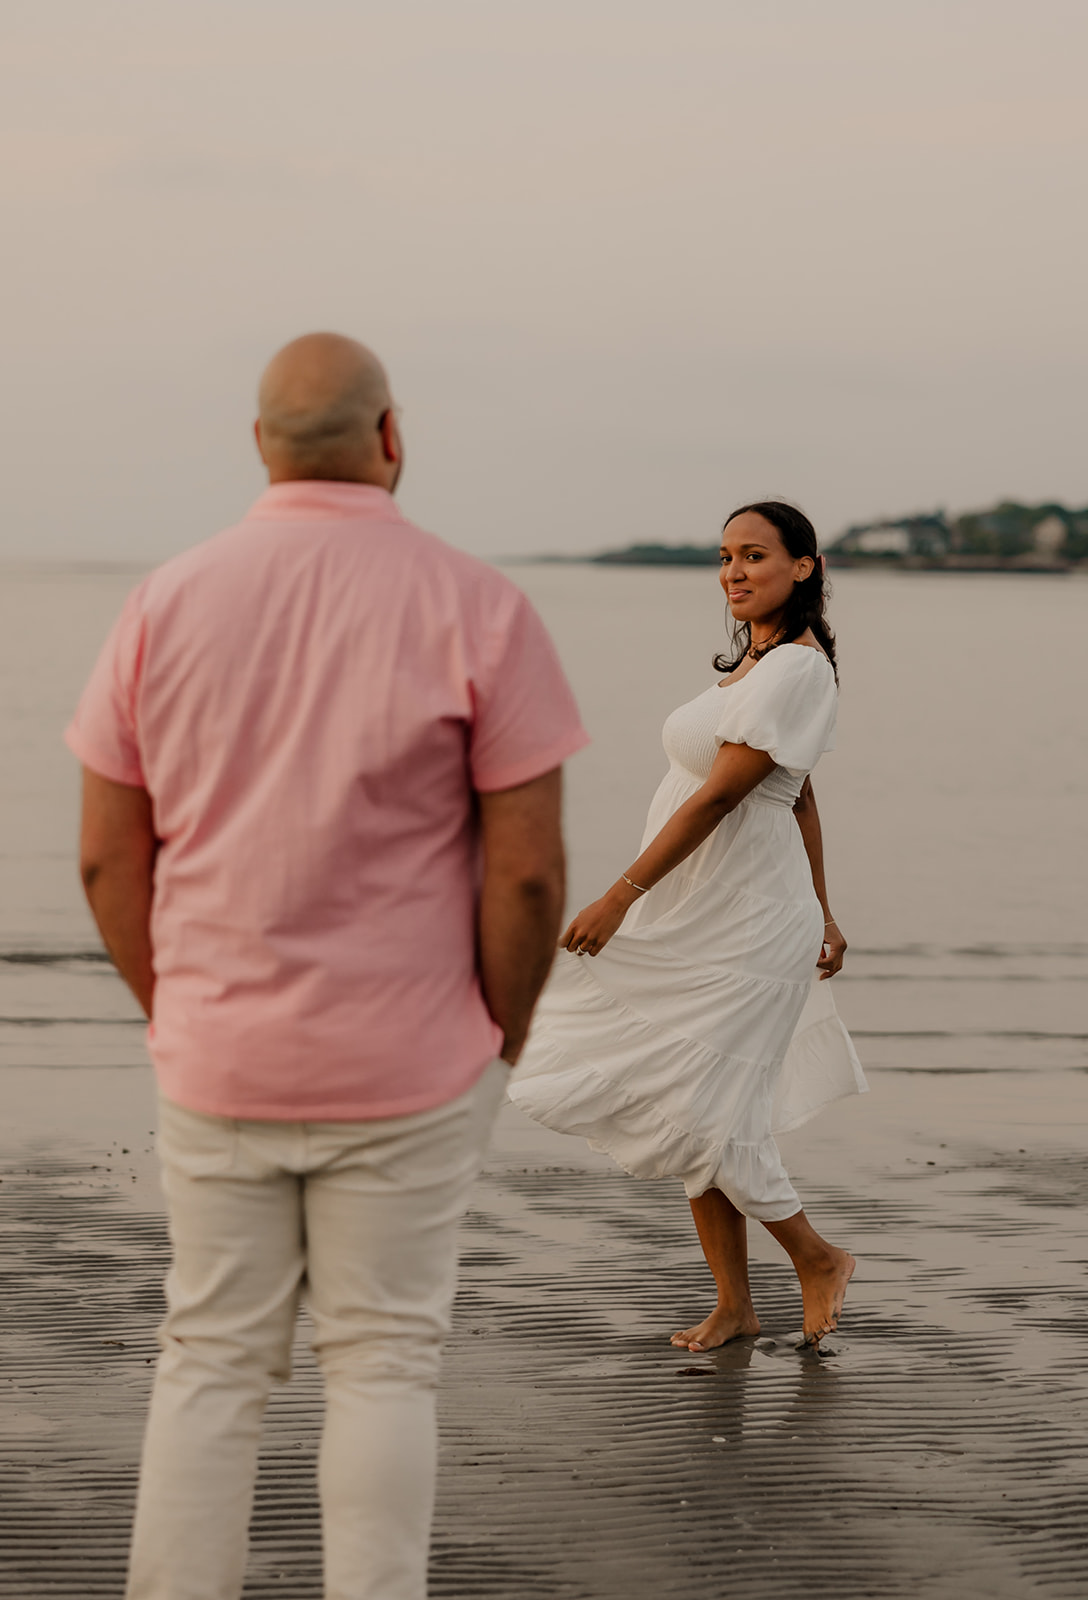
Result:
[805,646]
[789,709]
[795,661]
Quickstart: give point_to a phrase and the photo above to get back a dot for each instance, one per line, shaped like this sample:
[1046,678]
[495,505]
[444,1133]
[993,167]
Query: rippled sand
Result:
[936,1447]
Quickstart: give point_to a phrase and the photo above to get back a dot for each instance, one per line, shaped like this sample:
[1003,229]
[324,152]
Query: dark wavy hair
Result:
[807,604]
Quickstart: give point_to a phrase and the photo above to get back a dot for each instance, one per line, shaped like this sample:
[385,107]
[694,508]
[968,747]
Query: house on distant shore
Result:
[1010,536]
[890,540]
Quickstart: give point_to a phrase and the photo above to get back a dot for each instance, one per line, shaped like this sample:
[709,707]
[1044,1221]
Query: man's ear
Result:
[392,448]
[257,436]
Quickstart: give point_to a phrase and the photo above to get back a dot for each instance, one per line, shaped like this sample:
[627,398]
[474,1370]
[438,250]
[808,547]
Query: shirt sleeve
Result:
[102,734]
[526,721]
[787,705]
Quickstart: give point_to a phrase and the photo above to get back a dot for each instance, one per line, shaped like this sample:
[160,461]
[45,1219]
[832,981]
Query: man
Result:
[321,841]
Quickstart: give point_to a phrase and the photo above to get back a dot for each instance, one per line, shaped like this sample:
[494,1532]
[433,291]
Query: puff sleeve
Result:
[786,705]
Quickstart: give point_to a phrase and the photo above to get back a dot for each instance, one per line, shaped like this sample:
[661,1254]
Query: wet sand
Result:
[936,1447]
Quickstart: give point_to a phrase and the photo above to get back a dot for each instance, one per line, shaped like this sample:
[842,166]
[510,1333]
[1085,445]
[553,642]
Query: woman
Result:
[697,1032]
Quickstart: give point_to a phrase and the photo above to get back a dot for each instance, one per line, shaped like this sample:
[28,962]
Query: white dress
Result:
[699,1031]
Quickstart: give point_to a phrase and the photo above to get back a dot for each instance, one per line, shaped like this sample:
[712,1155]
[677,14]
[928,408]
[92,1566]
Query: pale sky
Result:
[628,264]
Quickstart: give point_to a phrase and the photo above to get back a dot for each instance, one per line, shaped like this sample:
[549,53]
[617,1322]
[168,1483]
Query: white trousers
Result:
[362,1218]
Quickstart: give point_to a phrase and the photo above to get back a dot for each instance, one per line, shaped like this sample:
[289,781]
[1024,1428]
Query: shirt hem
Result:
[270,1111]
[87,756]
[533,767]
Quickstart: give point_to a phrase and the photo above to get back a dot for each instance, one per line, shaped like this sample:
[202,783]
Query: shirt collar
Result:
[326,497]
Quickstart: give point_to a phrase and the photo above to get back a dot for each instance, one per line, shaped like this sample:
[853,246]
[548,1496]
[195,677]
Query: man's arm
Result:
[808,820]
[521,901]
[117,849]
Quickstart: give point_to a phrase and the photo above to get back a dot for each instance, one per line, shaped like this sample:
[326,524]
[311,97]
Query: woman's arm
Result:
[735,773]
[808,820]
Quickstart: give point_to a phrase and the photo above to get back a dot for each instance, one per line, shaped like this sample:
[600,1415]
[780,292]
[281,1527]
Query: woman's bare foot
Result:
[823,1289]
[722,1325]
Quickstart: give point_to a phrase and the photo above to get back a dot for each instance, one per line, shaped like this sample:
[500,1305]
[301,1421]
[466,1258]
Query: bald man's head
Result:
[326,412]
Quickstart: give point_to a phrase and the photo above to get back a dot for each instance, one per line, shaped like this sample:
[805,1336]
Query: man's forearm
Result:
[518,933]
[521,900]
[119,895]
[117,851]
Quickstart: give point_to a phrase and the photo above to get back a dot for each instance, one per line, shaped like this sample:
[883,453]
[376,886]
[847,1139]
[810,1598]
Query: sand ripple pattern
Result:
[938,1448]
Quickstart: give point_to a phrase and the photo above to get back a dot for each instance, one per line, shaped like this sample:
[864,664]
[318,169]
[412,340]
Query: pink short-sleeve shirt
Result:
[312,699]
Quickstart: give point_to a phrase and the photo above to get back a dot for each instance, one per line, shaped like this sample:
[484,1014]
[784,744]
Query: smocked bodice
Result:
[692,741]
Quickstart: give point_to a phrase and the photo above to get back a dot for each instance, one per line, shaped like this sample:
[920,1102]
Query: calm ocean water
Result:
[953,806]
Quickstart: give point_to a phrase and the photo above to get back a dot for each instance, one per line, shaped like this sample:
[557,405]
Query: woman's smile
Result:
[757,571]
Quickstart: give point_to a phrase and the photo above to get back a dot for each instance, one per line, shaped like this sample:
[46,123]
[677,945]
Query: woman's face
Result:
[757,571]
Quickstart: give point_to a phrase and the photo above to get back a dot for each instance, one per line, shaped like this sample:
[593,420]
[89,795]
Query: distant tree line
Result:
[659,555]
[1048,537]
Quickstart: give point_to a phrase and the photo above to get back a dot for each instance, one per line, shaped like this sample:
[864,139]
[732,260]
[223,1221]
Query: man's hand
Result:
[117,849]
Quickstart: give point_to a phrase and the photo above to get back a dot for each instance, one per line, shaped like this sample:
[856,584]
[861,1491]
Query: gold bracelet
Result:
[637,886]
